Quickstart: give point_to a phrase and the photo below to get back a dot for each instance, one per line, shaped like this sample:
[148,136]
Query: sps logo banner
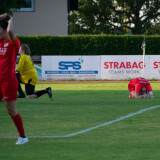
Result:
[76,65]
[71,67]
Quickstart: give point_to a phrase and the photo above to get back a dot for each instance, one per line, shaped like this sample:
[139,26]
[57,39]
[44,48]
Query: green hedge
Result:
[91,45]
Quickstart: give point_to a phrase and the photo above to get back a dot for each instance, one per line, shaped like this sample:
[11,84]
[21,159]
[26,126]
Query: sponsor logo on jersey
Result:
[3,50]
[6,45]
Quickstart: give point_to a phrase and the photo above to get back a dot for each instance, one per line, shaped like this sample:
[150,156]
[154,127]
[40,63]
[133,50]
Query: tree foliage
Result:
[7,6]
[91,17]
[137,15]
[115,16]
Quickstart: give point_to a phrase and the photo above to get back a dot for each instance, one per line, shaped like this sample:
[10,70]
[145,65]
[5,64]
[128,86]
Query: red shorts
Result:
[8,88]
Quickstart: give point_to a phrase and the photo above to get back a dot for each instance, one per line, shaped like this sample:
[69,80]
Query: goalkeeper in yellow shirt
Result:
[27,74]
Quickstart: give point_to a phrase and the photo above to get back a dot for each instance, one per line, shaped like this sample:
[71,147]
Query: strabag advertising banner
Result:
[71,67]
[153,71]
[130,66]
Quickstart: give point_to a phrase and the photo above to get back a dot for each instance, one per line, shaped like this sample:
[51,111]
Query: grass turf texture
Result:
[77,107]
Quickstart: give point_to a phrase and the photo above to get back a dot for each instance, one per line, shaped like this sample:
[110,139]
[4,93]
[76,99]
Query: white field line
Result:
[94,127]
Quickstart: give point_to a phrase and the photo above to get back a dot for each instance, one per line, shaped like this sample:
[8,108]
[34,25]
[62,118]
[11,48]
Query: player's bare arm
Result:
[145,96]
[10,30]
[139,96]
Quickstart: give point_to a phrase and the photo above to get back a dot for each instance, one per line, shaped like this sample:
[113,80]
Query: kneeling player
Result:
[140,88]
[27,74]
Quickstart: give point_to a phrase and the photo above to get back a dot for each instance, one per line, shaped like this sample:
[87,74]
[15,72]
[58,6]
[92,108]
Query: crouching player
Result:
[140,88]
[27,74]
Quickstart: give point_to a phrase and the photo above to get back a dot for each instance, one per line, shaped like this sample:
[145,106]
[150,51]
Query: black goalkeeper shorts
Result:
[29,89]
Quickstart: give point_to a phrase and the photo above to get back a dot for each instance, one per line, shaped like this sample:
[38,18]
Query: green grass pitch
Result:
[77,106]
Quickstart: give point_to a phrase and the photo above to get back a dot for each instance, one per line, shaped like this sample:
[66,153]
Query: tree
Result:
[115,16]
[7,6]
[136,15]
[92,17]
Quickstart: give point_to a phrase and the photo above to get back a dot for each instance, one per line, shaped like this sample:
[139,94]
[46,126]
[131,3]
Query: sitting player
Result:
[140,88]
[27,74]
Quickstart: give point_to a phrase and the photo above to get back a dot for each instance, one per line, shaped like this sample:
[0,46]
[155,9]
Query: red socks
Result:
[19,124]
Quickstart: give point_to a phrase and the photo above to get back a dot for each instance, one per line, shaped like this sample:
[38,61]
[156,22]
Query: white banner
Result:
[71,67]
[129,66]
[154,67]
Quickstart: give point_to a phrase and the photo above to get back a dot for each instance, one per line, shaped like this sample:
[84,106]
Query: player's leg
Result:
[131,89]
[29,88]
[30,91]
[21,93]
[9,92]
[132,94]
[11,108]
[42,92]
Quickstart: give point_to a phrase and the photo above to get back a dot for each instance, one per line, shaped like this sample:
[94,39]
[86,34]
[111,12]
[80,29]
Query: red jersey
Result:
[138,83]
[8,55]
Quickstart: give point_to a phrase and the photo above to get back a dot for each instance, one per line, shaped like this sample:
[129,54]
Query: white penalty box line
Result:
[94,127]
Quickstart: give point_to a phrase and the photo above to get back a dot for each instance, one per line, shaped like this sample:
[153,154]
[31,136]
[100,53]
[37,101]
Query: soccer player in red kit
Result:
[140,88]
[9,47]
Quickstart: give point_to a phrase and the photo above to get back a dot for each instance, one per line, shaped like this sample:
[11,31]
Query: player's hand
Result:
[150,97]
[5,17]
[145,96]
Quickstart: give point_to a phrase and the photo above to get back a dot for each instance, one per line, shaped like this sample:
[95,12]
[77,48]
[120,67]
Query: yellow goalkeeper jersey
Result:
[27,70]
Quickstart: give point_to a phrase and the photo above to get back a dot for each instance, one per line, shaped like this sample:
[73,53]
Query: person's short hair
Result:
[26,49]
[142,92]
[4,21]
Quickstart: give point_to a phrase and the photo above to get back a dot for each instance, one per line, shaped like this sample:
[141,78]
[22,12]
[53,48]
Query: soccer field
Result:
[80,106]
